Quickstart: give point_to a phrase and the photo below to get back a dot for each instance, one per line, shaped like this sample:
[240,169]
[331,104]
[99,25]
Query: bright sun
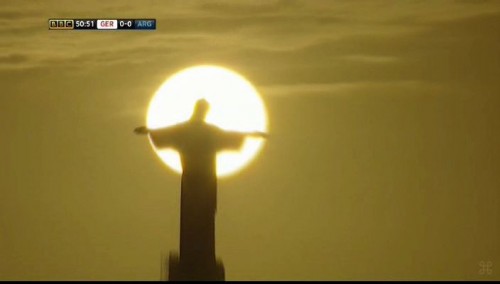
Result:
[234,105]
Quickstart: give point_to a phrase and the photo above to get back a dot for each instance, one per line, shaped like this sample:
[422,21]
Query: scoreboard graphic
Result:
[102,24]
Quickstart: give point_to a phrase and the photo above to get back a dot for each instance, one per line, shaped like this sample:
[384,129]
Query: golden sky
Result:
[383,161]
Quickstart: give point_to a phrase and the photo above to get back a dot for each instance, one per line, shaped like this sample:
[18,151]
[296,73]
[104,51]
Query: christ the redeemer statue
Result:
[197,143]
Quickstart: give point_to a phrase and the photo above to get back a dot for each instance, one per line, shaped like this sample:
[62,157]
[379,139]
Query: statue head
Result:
[200,110]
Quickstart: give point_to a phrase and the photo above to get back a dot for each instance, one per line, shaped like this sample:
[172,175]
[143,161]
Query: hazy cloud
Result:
[274,42]
[13,59]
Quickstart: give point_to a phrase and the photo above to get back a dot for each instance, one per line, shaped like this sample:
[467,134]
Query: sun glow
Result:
[234,105]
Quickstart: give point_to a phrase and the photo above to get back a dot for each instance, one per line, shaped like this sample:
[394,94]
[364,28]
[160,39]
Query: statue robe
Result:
[197,144]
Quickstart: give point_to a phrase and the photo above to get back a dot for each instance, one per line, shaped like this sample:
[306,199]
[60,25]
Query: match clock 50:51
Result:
[85,24]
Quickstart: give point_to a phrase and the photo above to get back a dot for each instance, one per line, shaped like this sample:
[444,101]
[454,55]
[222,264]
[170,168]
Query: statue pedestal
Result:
[198,271]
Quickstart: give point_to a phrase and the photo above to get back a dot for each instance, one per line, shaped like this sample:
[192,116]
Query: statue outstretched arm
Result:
[162,137]
[258,134]
[142,130]
[234,140]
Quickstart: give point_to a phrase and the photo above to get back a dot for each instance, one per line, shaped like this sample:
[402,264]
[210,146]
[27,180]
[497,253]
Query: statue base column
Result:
[179,271]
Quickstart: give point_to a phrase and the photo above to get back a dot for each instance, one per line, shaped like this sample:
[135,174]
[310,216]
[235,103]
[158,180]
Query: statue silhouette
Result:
[197,143]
